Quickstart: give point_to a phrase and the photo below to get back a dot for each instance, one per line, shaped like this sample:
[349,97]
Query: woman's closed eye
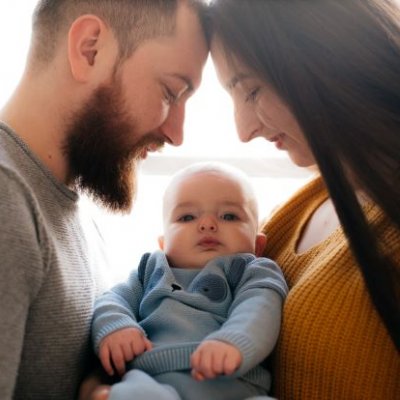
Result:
[253,94]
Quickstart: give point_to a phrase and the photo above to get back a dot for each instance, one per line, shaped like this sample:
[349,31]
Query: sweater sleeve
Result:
[254,317]
[118,308]
[21,273]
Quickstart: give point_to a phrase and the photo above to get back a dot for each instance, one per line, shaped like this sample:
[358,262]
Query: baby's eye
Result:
[186,218]
[229,217]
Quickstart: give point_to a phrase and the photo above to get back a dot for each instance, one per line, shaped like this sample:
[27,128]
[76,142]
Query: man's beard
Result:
[101,150]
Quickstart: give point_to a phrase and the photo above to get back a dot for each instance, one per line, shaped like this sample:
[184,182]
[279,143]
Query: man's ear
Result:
[261,242]
[83,45]
[161,242]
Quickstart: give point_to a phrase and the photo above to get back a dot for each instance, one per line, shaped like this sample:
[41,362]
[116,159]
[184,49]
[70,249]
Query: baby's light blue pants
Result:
[137,385]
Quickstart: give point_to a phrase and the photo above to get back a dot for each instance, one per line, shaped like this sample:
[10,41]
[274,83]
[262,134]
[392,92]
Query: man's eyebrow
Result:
[236,79]
[186,79]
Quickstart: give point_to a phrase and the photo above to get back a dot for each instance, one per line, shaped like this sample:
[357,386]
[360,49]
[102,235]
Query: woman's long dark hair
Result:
[337,66]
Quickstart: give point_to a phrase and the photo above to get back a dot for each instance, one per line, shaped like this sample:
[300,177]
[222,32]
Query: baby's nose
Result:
[208,224]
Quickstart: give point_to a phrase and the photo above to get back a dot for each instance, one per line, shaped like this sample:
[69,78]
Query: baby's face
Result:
[207,214]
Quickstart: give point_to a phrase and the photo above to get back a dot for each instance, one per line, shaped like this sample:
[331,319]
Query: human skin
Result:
[165,70]
[206,214]
[115,128]
[258,110]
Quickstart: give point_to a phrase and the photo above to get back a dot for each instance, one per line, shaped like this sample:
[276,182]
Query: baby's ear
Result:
[161,242]
[261,242]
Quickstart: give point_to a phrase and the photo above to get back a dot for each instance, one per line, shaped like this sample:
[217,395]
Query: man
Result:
[105,83]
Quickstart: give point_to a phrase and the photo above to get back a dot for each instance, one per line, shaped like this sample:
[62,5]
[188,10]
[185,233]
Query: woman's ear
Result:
[161,242]
[261,242]
[84,37]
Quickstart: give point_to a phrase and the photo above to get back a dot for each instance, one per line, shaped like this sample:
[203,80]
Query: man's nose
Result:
[172,127]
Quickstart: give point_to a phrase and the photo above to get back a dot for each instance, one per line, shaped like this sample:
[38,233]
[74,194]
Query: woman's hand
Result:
[92,388]
[102,392]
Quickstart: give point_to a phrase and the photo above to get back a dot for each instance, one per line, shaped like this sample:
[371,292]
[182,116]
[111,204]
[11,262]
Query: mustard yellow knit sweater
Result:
[332,344]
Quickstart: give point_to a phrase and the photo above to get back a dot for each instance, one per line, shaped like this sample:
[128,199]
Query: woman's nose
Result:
[246,122]
[208,225]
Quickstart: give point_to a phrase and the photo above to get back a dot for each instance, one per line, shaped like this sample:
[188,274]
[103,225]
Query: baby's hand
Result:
[120,347]
[213,358]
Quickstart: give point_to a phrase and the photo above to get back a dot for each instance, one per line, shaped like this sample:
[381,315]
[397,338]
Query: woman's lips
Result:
[278,140]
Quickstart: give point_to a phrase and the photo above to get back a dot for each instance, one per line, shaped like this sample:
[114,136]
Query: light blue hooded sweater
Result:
[228,300]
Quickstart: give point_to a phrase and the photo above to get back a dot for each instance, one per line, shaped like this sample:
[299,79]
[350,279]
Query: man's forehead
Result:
[190,37]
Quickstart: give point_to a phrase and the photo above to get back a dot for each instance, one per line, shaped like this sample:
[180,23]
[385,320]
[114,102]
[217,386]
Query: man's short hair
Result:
[132,21]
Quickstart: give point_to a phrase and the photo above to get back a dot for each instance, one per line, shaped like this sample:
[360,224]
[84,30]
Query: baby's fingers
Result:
[206,367]
[231,361]
[198,376]
[140,345]
[127,352]
[230,365]
[147,344]
[105,359]
[195,359]
[118,360]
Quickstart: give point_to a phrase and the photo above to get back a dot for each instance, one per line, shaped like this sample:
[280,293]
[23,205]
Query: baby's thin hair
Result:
[219,168]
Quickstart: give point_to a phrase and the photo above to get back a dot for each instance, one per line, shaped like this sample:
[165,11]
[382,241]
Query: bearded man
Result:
[105,83]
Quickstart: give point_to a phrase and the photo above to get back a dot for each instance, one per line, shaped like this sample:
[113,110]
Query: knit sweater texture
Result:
[333,344]
[235,299]
[47,279]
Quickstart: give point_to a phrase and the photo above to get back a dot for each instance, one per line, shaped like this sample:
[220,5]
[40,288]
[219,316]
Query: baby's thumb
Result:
[148,345]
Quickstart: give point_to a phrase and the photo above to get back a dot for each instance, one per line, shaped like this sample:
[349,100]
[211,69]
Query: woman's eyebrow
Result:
[236,79]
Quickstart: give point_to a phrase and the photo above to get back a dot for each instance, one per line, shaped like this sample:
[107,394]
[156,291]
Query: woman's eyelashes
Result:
[252,95]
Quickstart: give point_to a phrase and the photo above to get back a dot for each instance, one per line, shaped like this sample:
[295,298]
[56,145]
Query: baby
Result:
[196,319]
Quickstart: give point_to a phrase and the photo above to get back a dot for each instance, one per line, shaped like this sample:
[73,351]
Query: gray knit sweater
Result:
[47,283]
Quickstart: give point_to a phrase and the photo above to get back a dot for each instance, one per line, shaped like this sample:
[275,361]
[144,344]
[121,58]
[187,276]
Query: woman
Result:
[321,79]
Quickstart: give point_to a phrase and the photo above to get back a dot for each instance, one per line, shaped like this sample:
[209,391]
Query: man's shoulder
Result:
[13,185]
[11,172]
